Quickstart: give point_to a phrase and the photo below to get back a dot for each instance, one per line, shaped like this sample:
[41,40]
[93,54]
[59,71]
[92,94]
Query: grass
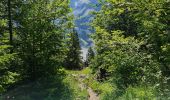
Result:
[51,88]
[108,90]
[66,87]
[44,89]
[86,71]
[74,84]
[140,93]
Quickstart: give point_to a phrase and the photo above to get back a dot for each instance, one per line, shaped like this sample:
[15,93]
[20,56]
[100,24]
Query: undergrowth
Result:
[108,90]
[57,87]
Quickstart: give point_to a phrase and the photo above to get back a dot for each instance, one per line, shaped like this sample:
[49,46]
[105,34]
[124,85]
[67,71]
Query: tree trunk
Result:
[10,25]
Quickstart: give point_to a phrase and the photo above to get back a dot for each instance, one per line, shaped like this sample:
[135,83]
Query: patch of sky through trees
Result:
[81,11]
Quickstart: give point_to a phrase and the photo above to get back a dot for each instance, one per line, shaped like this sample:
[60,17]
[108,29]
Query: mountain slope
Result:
[81,10]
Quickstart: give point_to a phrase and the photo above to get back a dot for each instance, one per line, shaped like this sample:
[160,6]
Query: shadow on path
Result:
[44,89]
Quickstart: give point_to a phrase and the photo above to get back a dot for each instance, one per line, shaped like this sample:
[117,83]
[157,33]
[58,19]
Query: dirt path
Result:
[91,94]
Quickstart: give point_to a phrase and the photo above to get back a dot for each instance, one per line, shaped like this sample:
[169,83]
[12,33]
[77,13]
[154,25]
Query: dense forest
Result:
[40,52]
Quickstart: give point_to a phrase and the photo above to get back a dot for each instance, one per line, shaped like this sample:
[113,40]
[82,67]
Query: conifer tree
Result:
[90,55]
[73,60]
[7,73]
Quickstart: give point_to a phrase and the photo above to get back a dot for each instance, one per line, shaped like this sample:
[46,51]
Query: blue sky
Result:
[81,10]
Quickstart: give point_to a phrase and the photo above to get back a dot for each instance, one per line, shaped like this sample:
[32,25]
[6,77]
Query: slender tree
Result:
[90,55]
[10,25]
[73,60]
[7,75]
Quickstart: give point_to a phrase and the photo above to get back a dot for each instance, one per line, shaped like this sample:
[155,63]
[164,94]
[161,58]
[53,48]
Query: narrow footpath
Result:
[91,94]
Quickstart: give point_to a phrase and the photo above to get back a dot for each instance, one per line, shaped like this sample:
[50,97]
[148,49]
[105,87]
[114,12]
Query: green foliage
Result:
[108,90]
[132,48]
[50,88]
[7,76]
[132,93]
[73,59]
[118,56]
[86,71]
[41,30]
[90,55]
[140,93]
[73,83]
[40,39]
[131,42]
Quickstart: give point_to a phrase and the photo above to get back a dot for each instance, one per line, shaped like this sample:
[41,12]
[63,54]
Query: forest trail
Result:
[80,78]
[92,94]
